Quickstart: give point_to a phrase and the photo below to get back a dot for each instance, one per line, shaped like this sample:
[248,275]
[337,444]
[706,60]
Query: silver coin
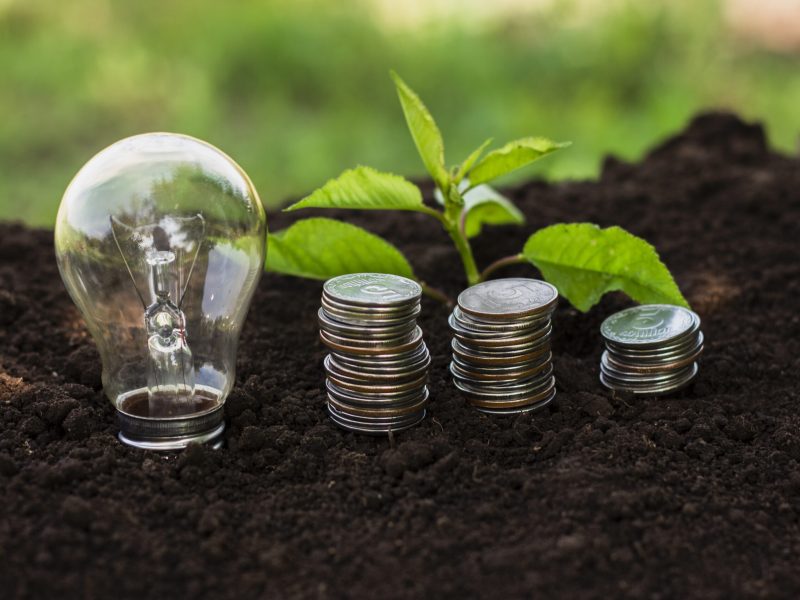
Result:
[409,343]
[345,329]
[371,319]
[337,376]
[407,363]
[503,342]
[385,370]
[371,427]
[478,378]
[490,372]
[485,376]
[496,329]
[647,387]
[386,362]
[377,402]
[357,342]
[504,299]
[505,389]
[372,387]
[509,358]
[351,338]
[497,326]
[656,355]
[512,402]
[385,312]
[383,421]
[501,368]
[543,371]
[611,360]
[372,289]
[374,427]
[399,397]
[649,325]
[469,378]
[499,336]
[377,375]
[506,393]
[481,377]
[372,323]
[633,378]
[524,409]
[651,390]
[357,401]
[687,346]
[377,380]
[500,350]
[496,351]
[380,361]
[374,411]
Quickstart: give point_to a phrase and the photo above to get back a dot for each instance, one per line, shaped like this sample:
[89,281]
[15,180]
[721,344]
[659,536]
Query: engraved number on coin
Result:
[647,319]
[513,296]
[382,291]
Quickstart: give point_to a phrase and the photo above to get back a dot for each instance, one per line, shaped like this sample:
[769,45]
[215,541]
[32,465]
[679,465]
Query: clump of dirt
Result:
[600,496]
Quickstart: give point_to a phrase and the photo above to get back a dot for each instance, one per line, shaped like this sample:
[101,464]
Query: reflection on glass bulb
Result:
[160,240]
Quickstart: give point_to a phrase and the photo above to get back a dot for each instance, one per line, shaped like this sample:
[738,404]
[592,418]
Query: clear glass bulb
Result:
[160,240]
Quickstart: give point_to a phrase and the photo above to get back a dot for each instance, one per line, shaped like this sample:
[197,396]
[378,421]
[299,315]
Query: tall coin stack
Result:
[501,345]
[650,349]
[377,369]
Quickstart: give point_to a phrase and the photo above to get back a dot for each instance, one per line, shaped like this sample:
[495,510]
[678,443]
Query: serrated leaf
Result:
[584,262]
[468,163]
[364,188]
[320,248]
[423,129]
[511,157]
[484,206]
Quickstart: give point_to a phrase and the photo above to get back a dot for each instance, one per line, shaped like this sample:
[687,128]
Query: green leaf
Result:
[320,248]
[584,262]
[511,157]
[424,131]
[439,197]
[464,168]
[484,206]
[364,188]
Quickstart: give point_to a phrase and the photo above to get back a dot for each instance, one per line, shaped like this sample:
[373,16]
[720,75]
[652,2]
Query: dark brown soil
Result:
[598,497]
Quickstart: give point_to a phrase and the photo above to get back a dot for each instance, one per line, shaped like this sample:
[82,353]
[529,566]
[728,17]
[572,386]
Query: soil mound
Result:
[599,496]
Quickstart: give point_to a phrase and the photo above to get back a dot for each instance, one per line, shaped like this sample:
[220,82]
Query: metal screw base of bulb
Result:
[173,433]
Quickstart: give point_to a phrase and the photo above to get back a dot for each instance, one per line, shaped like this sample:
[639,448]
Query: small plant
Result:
[582,260]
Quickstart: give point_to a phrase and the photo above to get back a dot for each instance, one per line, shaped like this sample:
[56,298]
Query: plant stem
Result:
[436,294]
[427,210]
[465,251]
[451,220]
[500,263]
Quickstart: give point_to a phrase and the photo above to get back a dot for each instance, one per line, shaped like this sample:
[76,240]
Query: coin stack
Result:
[650,349]
[501,345]
[377,369]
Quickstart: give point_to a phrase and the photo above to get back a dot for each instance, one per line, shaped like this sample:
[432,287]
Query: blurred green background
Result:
[298,91]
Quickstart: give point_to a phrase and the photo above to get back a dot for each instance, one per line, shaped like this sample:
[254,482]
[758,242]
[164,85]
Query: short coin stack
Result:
[377,369]
[650,349]
[501,345]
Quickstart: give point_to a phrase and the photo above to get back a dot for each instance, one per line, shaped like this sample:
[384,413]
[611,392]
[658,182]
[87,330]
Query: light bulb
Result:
[160,240]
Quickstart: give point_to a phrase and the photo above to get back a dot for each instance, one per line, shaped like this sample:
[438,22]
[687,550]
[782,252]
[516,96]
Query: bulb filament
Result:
[171,372]
[170,368]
